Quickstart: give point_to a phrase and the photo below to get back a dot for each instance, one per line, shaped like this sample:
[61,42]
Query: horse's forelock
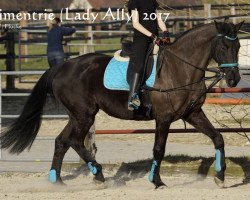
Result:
[229,29]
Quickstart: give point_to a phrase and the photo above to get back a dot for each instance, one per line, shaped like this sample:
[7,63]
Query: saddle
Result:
[127,52]
[115,76]
[127,49]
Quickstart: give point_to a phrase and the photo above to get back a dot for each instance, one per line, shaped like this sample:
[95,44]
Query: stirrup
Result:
[132,106]
[134,103]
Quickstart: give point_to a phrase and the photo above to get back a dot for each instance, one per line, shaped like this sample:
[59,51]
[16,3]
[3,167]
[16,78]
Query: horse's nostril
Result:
[232,83]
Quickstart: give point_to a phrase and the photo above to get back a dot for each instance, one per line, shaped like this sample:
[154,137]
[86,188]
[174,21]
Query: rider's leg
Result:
[134,101]
[136,69]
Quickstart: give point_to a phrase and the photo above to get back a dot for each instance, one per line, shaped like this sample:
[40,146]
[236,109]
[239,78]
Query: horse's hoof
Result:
[161,187]
[60,183]
[219,182]
[97,181]
[99,178]
[99,184]
[246,180]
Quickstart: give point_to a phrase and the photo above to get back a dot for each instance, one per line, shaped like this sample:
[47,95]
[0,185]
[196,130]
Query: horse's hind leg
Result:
[61,147]
[81,128]
[199,120]
[161,135]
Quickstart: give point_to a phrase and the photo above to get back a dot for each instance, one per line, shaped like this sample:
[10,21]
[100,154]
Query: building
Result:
[33,4]
[73,4]
[179,2]
[97,4]
[119,3]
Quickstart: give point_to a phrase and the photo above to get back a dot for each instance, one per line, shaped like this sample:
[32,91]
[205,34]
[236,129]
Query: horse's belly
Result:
[115,104]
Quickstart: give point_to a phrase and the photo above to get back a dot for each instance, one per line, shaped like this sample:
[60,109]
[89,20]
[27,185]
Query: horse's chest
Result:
[173,102]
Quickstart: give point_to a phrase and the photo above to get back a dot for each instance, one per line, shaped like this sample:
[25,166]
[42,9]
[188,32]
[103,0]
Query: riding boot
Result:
[134,101]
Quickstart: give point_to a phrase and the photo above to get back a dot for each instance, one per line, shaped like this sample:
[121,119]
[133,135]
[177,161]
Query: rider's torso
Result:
[147,15]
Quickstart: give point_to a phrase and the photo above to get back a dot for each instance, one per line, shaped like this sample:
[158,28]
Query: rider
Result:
[145,19]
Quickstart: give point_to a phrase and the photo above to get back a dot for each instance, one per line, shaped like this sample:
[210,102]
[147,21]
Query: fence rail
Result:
[147,131]
[174,22]
[104,9]
[87,33]
[8,73]
[12,73]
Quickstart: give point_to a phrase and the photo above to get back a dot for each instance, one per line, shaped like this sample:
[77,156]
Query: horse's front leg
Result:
[199,120]
[162,129]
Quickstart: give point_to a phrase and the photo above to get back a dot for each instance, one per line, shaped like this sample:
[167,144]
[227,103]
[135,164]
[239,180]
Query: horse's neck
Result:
[195,46]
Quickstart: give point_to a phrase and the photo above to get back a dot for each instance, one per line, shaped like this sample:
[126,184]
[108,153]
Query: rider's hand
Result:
[166,37]
[156,40]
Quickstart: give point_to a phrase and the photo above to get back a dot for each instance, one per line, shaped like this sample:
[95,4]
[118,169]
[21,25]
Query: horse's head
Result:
[225,49]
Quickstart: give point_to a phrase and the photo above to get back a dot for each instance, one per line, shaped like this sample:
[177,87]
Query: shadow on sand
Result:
[139,169]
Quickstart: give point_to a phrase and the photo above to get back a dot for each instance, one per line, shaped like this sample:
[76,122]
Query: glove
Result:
[166,37]
[156,40]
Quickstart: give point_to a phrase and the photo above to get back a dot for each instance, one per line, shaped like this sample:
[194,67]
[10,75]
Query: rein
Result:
[217,72]
[219,75]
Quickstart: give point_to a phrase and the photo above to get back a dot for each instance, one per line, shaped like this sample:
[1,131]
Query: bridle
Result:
[219,75]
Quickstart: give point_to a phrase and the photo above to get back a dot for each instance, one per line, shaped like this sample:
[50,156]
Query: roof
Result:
[56,4]
[33,4]
[106,3]
[118,3]
[179,2]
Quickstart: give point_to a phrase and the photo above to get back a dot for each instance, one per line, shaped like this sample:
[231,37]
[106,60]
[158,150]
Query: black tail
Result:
[22,133]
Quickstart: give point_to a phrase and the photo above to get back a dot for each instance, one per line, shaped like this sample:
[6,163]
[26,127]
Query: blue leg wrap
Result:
[92,168]
[152,171]
[218,161]
[52,176]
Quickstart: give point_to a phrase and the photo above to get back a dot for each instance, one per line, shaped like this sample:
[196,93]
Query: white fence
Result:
[244,60]
[244,54]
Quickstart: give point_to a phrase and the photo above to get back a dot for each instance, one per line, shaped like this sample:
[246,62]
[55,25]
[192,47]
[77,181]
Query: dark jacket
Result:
[55,38]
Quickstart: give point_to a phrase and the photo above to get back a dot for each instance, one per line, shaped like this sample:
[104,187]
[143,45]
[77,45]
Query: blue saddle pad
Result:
[116,72]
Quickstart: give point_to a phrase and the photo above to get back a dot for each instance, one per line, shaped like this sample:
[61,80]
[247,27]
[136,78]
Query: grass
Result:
[41,63]
[225,1]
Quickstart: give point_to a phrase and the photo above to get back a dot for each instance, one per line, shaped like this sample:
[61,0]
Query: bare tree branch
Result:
[239,121]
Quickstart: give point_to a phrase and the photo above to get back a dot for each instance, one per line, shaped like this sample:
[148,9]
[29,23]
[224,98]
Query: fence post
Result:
[88,48]
[98,28]
[0,112]
[190,13]
[10,60]
[207,12]
[24,36]
[233,12]
[175,27]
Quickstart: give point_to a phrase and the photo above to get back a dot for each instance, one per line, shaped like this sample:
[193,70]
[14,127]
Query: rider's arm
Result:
[137,25]
[161,23]
[68,31]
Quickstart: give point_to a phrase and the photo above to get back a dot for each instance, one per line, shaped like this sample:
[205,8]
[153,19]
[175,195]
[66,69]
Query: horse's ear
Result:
[238,26]
[218,26]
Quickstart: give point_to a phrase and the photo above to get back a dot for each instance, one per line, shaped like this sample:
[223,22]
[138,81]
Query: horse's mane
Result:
[183,34]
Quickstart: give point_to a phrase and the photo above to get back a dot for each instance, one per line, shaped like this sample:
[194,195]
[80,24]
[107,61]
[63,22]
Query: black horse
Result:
[78,86]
